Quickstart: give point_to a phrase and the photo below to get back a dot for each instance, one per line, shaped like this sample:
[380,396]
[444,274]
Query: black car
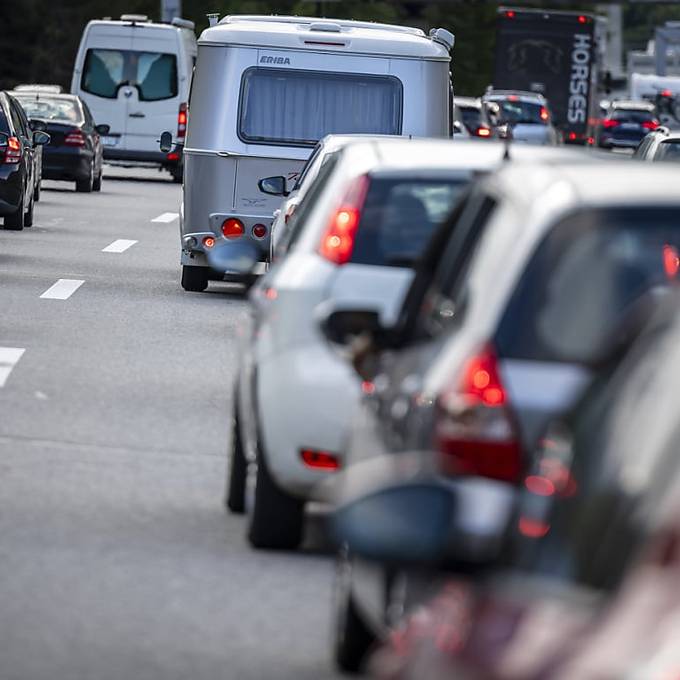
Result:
[75,152]
[625,128]
[19,164]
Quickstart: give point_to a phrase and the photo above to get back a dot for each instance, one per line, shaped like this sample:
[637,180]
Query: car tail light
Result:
[483,131]
[320,460]
[232,228]
[75,138]
[544,114]
[582,19]
[474,433]
[650,124]
[510,14]
[182,119]
[666,93]
[337,242]
[609,123]
[13,151]
[208,241]
[259,231]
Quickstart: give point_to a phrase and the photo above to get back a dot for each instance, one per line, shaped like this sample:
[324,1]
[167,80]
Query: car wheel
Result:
[352,639]
[235,496]
[276,519]
[84,186]
[177,174]
[97,184]
[194,279]
[36,192]
[28,217]
[16,221]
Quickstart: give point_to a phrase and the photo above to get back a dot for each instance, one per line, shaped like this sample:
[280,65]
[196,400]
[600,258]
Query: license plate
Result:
[110,141]
[630,126]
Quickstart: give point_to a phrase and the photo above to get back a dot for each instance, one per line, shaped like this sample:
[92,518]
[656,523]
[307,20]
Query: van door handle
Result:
[139,114]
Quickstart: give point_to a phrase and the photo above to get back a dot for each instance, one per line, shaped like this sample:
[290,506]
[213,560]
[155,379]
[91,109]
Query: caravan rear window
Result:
[281,106]
[154,74]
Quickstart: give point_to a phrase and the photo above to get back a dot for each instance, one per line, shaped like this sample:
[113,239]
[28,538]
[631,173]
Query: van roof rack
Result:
[34,87]
[136,18]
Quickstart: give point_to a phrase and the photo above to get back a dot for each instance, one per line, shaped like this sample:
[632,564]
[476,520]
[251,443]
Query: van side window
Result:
[154,74]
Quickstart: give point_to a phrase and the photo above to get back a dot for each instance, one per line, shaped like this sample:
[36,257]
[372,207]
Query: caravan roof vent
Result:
[326,27]
[183,23]
[135,18]
[443,37]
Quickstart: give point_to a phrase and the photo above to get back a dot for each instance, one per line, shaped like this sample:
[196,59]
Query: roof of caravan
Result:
[332,35]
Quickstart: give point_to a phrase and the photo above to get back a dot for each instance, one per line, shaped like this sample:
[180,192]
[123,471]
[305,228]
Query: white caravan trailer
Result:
[266,89]
[135,77]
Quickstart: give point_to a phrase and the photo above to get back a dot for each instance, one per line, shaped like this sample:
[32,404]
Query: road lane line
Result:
[119,246]
[166,217]
[62,289]
[9,356]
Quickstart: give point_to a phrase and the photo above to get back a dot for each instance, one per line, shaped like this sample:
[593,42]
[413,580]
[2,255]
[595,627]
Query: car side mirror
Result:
[40,138]
[233,257]
[37,125]
[274,186]
[103,129]
[399,517]
[341,326]
[166,141]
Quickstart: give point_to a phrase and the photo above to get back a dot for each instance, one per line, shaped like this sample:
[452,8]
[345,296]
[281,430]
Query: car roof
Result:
[632,104]
[47,96]
[303,33]
[521,95]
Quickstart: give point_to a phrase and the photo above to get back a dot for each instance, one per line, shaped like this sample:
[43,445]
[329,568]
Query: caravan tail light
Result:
[13,151]
[474,432]
[182,119]
[337,242]
[232,228]
[259,231]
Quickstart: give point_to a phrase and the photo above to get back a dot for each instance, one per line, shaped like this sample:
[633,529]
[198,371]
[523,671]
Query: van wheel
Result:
[235,496]
[97,184]
[276,519]
[28,217]
[15,222]
[194,279]
[352,639]
[84,186]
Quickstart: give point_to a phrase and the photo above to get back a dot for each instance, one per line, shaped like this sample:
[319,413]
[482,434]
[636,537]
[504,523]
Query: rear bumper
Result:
[113,154]
[67,165]
[608,141]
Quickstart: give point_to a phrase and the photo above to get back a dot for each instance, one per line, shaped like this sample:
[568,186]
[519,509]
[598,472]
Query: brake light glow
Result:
[544,114]
[582,19]
[509,14]
[232,228]
[75,138]
[483,131]
[13,151]
[337,243]
[320,460]
[572,136]
[671,261]
[182,119]
[474,433]
[666,93]
[609,123]
[650,124]
[208,242]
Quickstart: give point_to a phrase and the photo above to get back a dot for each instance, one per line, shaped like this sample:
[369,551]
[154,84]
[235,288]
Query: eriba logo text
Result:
[274,60]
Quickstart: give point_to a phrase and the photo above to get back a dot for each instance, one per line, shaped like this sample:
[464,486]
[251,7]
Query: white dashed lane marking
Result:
[119,246]
[9,356]
[166,217]
[62,289]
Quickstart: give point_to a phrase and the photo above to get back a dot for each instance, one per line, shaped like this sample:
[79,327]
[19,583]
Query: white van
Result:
[135,76]
[267,88]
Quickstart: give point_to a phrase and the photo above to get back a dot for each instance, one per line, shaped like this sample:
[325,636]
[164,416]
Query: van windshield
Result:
[153,74]
[282,106]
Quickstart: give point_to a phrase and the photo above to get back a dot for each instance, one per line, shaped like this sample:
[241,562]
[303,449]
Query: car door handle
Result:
[139,114]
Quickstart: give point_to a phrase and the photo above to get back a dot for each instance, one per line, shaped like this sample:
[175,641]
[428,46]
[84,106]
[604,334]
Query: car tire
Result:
[28,217]
[352,638]
[85,186]
[177,174]
[276,519]
[15,222]
[97,184]
[36,191]
[194,279]
[237,467]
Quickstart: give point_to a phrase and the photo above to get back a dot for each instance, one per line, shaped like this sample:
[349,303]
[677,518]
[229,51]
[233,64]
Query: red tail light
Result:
[609,123]
[13,151]
[320,460]
[666,93]
[75,138]
[182,119]
[232,228]
[337,242]
[650,124]
[582,19]
[473,431]
[510,14]
[483,131]
[545,116]
[259,231]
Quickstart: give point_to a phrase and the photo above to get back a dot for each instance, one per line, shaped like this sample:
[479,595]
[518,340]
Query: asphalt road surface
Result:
[117,560]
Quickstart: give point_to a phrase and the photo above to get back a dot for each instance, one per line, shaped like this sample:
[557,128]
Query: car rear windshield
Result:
[518,112]
[57,109]
[154,74]
[472,117]
[399,216]
[4,126]
[583,278]
[632,116]
[668,151]
[282,106]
